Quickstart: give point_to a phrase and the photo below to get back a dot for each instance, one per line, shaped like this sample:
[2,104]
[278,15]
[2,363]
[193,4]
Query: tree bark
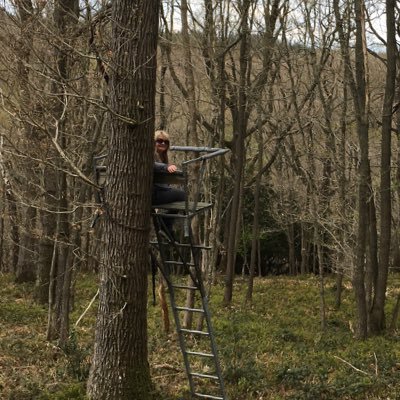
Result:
[65,17]
[10,257]
[360,99]
[239,132]
[256,217]
[358,86]
[342,192]
[377,314]
[48,221]
[25,268]
[371,265]
[120,369]
[192,141]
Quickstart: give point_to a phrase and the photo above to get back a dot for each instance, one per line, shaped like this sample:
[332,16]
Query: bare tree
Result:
[377,313]
[240,124]
[56,186]
[25,270]
[256,218]
[358,86]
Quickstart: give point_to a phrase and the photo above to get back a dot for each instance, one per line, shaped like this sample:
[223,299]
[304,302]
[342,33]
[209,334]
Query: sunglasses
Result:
[162,141]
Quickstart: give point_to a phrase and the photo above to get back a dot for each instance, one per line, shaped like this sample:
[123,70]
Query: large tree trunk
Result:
[120,368]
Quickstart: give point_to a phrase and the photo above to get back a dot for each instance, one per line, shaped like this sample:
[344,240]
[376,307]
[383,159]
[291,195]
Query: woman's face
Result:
[162,145]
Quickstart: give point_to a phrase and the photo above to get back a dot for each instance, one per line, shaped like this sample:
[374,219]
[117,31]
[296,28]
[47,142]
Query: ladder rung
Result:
[181,206]
[179,263]
[197,353]
[185,287]
[208,396]
[194,332]
[195,246]
[196,374]
[199,310]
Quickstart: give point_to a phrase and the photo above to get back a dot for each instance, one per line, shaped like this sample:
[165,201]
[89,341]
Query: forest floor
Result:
[273,349]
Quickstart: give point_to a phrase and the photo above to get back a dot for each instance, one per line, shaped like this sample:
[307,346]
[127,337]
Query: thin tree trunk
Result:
[65,17]
[256,218]
[358,88]
[395,315]
[10,205]
[163,71]
[48,221]
[304,266]
[239,131]
[342,193]
[52,284]
[322,307]
[371,267]
[254,252]
[64,266]
[25,269]
[193,140]
[292,252]
[377,315]
[2,213]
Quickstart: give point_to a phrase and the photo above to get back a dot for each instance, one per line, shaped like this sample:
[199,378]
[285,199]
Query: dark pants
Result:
[164,195]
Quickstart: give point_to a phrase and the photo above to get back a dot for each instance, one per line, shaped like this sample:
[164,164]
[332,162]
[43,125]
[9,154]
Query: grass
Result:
[272,349]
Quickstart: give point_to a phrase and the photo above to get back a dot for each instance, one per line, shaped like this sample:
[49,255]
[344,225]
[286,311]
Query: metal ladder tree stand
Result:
[198,346]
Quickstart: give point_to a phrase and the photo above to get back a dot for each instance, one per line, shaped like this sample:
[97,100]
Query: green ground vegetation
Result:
[273,349]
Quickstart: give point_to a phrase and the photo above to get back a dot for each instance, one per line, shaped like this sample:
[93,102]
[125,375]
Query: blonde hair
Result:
[163,157]
[160,134]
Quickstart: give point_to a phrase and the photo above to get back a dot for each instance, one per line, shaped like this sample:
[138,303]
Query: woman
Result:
[163,193]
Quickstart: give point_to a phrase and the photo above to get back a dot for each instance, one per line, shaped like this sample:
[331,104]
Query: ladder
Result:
[198,346]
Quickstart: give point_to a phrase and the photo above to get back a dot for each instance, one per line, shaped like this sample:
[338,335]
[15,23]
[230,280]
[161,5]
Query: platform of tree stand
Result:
[198,345]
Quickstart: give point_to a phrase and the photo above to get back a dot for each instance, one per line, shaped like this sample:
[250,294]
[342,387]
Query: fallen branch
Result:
[352,366]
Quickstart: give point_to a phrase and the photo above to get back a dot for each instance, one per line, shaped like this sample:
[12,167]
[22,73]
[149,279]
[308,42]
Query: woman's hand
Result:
[172,168]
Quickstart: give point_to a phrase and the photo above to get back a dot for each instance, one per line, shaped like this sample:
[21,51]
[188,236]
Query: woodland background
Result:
[304,94]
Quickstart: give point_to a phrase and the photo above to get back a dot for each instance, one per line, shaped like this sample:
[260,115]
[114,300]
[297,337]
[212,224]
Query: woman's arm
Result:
[161,167]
